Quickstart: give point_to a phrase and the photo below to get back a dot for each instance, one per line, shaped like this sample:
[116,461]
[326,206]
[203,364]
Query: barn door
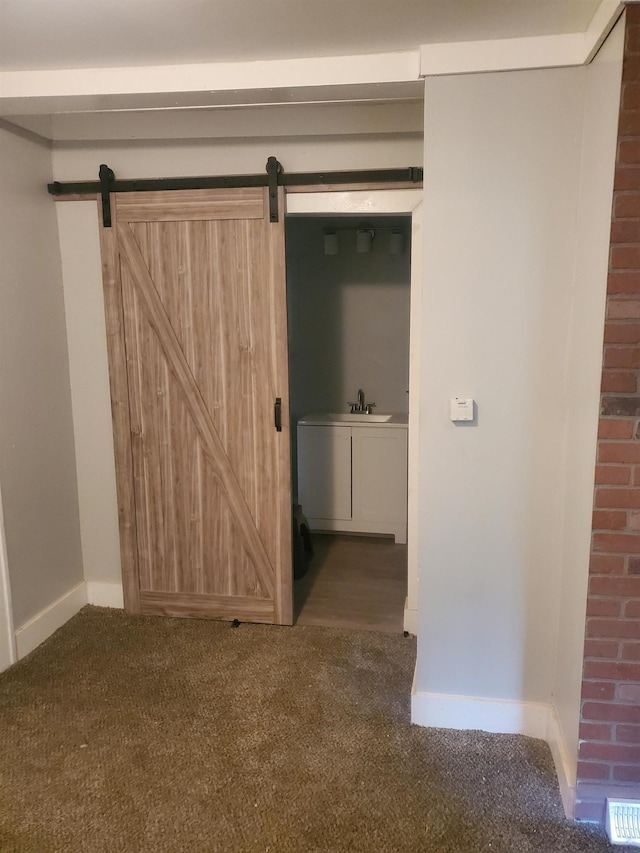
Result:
[196,324]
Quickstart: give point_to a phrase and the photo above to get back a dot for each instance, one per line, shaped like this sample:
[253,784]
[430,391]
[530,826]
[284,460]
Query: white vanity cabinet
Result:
[352,477]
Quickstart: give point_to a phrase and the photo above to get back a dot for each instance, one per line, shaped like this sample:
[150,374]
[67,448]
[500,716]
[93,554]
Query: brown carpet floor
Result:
[141,734]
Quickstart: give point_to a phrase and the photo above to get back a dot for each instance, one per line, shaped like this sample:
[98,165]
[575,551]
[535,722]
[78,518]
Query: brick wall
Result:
[609,752]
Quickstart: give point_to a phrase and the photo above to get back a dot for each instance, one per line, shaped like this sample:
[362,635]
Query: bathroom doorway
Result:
[350,293]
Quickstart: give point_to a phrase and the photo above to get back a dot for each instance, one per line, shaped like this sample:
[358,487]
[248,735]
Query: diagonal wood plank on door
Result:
[191,397]
[197,338]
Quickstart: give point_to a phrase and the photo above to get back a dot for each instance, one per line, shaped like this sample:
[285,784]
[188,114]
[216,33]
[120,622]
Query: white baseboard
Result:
[504,716]
[410,619]
[565,770]
[43,624]
[471,712]
[105,594]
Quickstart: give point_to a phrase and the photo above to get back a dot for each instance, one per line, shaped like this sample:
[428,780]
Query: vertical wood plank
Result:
[278,319]
[203,356]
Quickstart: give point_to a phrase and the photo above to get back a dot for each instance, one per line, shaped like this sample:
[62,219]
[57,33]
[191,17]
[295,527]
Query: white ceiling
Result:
[56,34]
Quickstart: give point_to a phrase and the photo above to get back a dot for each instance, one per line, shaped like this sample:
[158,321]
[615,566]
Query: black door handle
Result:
[277,414]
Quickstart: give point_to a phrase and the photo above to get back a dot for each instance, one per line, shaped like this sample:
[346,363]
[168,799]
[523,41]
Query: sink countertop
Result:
[395,419]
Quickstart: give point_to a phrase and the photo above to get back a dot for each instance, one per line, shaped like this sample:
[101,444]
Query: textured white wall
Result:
[584,368]
[37,460]
[502,156]
[82,276]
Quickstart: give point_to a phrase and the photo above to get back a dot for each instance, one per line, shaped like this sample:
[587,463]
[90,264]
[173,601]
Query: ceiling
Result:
[138,50]
[56,34]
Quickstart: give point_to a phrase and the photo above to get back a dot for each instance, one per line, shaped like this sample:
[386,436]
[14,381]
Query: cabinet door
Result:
[379,474]
[324,471]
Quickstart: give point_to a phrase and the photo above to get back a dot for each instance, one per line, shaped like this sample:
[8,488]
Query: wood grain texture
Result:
[181,205]
[173,360]
[119,389]
[206,606]
[204,309]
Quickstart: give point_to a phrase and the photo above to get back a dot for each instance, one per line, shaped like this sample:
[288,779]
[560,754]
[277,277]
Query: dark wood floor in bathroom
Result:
[353,582]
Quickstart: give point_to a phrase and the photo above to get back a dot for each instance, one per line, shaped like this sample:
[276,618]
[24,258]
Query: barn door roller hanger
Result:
[273,177]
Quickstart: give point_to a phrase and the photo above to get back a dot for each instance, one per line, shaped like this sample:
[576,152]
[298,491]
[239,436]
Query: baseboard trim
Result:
[566,773]
[410,619]
[502,716]
[47,621]
[105,594]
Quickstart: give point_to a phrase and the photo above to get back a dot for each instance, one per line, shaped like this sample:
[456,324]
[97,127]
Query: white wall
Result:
[89,373]
[83,282]
[348,316]
[37,460]
[584,366]
[502,157]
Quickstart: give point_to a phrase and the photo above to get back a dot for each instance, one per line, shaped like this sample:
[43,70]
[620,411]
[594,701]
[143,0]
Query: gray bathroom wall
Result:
[348,316]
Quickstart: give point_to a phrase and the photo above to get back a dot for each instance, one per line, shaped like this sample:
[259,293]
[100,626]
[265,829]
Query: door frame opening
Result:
[389,201]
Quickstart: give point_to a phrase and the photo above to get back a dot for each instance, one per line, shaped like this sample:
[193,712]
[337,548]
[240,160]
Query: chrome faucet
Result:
[361,407]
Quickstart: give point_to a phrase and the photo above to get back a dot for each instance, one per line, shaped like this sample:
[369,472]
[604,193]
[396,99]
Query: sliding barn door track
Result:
[273,177]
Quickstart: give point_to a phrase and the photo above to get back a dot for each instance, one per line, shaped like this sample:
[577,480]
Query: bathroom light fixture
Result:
[396,242]
[364,239]
[330,243]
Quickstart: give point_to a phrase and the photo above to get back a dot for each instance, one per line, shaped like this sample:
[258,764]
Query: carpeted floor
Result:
[141,734]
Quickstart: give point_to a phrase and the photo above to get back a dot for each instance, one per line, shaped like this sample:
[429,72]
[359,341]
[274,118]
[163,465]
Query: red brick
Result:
[634,566]
[608,752]
[619,451]
[630,64]
[608,520]
[601,648]
[612,670]
[620,382]
[603,606]
[615,427]
[624,231]
[622,333]
[617,586]
[627,177]
[621,356]
[623,282]
[630,651]
[632,45]
[627,773]
[629,124]
[606,564]
[610,629]
[623,309]
[629,693]
[628,734]
[595,731]
[610,712]
[618,498]
[632,609]
[598,690]
[613,475]
[625,257]
[622,543]
[626,206]
[629,149]
[593,770]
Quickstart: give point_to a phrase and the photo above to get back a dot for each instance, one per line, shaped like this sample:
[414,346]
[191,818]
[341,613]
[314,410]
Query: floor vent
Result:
[623,822]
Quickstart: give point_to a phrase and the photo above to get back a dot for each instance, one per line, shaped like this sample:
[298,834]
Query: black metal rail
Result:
[273,177]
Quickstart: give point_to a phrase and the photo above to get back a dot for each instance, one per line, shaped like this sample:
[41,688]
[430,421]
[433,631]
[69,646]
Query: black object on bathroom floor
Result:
[302,545]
